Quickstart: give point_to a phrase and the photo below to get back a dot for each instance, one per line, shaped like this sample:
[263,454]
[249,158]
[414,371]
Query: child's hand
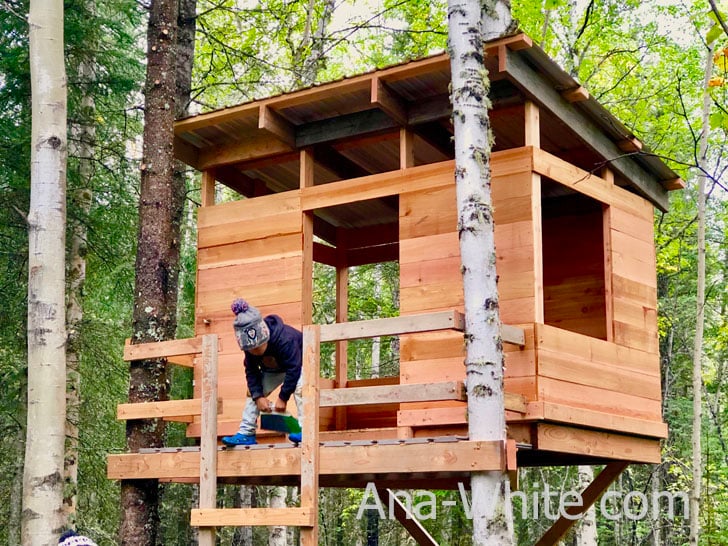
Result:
[264,404]
[280,406]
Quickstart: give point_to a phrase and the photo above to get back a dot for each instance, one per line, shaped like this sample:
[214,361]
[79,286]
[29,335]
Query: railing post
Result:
[208,435]
[310,428]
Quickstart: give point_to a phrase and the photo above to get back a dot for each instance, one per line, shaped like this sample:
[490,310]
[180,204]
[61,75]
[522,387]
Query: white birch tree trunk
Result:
[42,517]
[277,535]
[586,528]
[470,23]
[697,458]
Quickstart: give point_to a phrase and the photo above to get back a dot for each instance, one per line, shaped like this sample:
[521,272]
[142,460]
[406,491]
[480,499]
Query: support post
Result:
[208,436]
[310,431]
[207,188]
[342,315]
[589,497]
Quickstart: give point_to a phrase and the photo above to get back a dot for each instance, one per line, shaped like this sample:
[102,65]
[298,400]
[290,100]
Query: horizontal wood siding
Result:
[634,277]
[252,249]
[430,280]
[583,372]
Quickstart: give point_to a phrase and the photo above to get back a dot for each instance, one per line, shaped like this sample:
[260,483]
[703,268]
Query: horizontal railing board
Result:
[163,349]
[426,322]
[165,409]
[237,517]
[360,396]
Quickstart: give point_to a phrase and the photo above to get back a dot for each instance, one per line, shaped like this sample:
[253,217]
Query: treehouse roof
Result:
[353,124]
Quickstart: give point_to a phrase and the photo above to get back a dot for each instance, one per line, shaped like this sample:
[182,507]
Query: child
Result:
[273,356]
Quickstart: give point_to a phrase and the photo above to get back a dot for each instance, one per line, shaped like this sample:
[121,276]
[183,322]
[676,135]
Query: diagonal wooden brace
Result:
[589,497]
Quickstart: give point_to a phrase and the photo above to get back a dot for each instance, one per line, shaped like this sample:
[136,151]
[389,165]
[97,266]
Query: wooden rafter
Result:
[535,86]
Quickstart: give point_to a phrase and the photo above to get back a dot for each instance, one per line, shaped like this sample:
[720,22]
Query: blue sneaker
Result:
[239,440]
[295,437]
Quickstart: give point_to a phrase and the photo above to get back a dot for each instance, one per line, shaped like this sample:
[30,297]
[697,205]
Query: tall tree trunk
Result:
[16,489]
[310,57]
[695,492]
[42,517]
[85,135]
[655,483]
[243,536]
[586,529]
[157,264]
[470,23]
[277,535]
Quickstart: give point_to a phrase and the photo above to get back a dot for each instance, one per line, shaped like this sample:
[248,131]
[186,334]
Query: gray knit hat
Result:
[251,330]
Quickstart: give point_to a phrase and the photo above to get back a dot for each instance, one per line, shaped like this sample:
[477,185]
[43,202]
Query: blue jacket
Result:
[283,354]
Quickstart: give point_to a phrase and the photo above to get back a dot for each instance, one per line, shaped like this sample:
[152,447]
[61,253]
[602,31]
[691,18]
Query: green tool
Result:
[282,422]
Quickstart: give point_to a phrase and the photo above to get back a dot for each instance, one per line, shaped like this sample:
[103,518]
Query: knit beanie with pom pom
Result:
[250,329]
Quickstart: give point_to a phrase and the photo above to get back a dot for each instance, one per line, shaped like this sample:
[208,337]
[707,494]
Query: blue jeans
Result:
[249,422]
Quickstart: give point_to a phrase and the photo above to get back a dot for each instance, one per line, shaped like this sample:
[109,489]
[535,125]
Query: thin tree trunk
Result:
[655,482]
[42,517]
[277,535]
[472,22]
[16,490]
[310,56]
[243,536]
[85,135]
[695,492]
[161,203]
[586,528]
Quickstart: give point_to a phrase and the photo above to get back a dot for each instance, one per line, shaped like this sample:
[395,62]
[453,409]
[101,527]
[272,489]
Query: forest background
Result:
[645,61]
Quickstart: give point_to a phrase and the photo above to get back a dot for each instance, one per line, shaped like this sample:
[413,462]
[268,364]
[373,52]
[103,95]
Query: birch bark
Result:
[42,516]
[470,23]
[697,458]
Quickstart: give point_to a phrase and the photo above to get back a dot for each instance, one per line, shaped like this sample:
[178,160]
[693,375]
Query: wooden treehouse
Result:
[361,171]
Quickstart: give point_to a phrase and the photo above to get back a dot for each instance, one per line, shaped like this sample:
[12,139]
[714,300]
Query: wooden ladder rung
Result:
[238,517]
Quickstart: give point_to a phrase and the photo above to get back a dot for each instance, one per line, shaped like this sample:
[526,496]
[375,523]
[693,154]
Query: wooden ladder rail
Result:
[208,517]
